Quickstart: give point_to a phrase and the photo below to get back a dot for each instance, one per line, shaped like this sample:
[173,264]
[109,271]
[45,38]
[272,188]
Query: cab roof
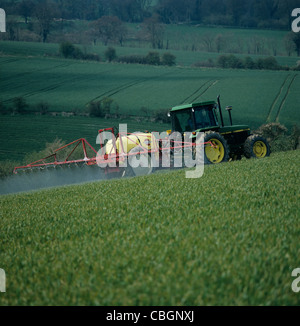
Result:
[192,105]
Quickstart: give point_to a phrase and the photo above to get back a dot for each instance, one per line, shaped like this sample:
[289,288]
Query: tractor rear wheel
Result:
[256,147]
[217,150]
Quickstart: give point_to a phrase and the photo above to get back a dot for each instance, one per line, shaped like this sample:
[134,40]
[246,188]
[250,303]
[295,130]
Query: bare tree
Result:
[26,9]
[143,7]
[12,29]
[44,13]
[208,40]
[154,31]
[109,28]
[289,43]
[296,40]
[258,44]
[121,34]
[220,42]
[130,10]
[273,44]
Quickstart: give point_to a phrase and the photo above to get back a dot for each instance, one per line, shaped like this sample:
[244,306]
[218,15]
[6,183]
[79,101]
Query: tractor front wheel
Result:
[256,147]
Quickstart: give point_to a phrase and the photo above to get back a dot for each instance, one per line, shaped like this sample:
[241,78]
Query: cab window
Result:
[204,118]
[183,121]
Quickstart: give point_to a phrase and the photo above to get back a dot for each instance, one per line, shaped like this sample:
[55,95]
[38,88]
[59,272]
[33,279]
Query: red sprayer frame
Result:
[44,162]
[113,156]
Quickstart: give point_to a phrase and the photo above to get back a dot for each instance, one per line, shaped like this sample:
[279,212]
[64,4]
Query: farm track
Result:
[196,91]
[28,73]
[287,83]
[284,99]
[189,98]
[210,86]
[116,90]
[126,86]
[67,79]
[42,90]
[49,88]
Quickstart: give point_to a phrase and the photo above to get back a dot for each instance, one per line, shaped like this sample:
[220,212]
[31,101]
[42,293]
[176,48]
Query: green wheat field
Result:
[228,238]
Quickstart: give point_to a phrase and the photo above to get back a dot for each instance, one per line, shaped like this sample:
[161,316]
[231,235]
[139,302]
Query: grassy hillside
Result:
[228,238]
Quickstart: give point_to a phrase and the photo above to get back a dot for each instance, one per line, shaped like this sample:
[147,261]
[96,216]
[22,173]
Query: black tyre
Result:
[217,150]
[256,147]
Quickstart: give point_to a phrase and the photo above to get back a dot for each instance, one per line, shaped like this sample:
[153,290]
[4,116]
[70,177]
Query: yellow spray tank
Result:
[141,146]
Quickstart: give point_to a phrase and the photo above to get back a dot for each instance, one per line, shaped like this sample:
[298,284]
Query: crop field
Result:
[228,238]
[69,85]
[26,134]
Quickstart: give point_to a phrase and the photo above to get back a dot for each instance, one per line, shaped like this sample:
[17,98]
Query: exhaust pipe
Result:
[220,110]
[229,108]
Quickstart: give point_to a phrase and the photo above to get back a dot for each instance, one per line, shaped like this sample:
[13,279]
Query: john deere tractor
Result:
[229,142]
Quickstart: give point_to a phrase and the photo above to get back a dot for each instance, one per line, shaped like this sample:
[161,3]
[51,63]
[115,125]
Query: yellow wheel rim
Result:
[260,149]
[215,153]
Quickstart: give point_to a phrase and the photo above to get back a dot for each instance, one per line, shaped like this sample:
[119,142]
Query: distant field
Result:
[238,40]
[228,238]
[21,135]
[187,38]
[185,57]
[69,85]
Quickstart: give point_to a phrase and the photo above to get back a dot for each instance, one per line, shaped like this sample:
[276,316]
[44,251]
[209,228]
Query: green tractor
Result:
[229,142]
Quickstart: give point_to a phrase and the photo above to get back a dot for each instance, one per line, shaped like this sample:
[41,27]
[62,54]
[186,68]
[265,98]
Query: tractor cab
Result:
[196,116]
[207,118]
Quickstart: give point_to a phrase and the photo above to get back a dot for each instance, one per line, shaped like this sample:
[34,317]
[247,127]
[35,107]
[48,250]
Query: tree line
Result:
[230,61]
[105,21]
[250,13]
